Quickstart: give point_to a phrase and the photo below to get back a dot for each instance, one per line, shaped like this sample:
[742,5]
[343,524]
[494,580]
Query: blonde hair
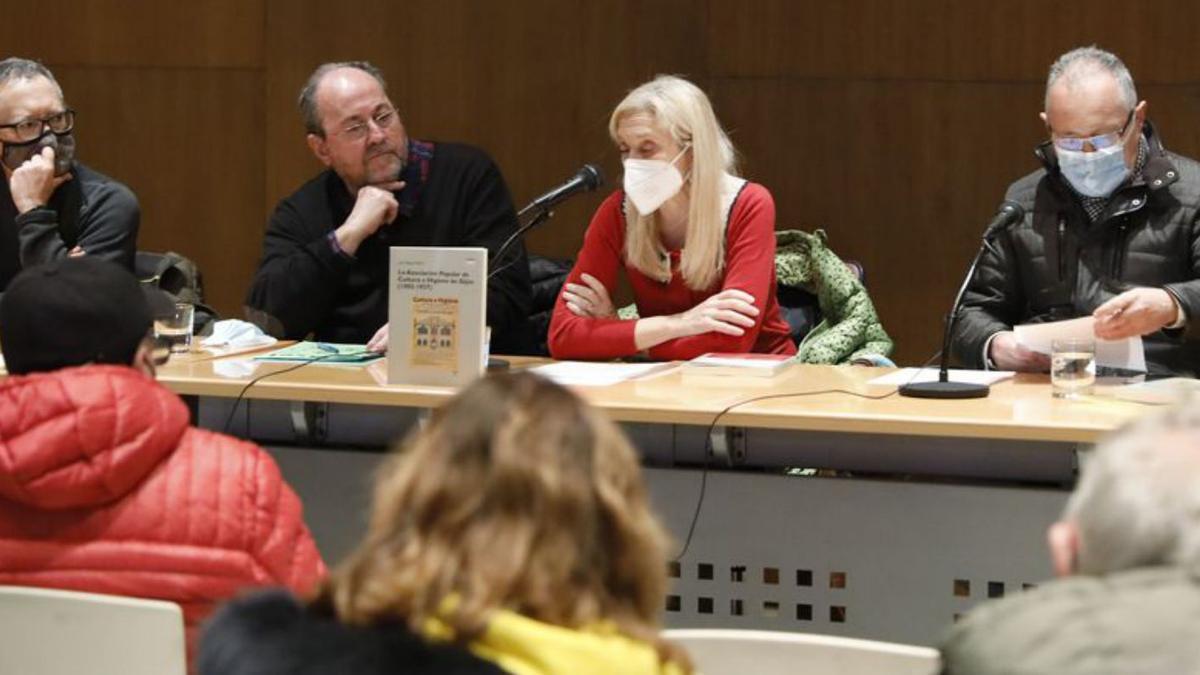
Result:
[516,496]
[681,110]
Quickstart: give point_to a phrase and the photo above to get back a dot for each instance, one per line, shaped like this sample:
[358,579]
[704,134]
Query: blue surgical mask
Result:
[1096,173]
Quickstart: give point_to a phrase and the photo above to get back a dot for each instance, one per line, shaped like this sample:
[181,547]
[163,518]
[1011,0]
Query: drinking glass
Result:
[1072,367]
[176,327]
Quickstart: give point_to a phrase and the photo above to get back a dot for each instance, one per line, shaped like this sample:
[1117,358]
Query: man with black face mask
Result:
[51,206]
[1110,230]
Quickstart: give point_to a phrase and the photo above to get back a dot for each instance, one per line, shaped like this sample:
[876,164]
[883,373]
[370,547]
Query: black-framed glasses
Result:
[32,129]
[1097,142]
[359,130]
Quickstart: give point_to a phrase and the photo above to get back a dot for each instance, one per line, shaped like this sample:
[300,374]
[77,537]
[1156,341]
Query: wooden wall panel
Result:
[978,40]
[142,33]
[771,39]
[191,148]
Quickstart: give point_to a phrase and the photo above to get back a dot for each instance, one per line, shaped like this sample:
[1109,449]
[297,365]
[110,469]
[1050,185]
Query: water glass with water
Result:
[176,328]
[1072,367]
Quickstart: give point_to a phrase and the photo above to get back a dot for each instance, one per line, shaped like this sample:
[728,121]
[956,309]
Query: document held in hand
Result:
[437,309]
[1127,354]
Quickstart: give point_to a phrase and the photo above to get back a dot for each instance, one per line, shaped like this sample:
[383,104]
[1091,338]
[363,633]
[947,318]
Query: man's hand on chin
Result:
[32,183]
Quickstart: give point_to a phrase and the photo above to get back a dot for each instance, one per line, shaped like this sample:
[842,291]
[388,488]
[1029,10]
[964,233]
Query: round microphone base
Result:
[945,390]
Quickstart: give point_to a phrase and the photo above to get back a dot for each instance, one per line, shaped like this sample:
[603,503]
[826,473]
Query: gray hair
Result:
[16,68]
[308,95]
[1084,62]
[1138,501]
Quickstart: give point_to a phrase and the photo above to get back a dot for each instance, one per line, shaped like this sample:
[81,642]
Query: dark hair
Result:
[308,95]
[17,68]
[72,312]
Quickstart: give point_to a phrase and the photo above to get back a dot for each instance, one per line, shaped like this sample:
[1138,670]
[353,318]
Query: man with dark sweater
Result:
[51,206]
[325,256]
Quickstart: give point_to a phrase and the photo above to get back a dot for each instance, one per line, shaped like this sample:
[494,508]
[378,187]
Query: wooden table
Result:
[911,502]
[1018,409]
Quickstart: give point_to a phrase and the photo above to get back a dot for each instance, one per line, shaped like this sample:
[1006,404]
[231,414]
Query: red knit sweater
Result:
[749,266]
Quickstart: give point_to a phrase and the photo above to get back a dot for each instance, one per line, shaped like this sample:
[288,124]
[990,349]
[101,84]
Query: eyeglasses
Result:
[360,130]
[31,129]
[1097,142]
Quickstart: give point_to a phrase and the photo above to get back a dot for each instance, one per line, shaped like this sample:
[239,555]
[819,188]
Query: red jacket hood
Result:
[83,436]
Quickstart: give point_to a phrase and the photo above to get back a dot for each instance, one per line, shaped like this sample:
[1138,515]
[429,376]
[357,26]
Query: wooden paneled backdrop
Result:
[895,125]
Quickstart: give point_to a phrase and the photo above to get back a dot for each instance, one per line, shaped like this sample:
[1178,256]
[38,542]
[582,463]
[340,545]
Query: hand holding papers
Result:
[1127,354]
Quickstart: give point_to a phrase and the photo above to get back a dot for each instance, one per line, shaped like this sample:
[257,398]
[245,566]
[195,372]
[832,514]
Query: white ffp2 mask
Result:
[651,182]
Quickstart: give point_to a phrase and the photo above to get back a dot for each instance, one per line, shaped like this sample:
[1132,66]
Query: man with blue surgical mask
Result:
[51,206]
[1110,230]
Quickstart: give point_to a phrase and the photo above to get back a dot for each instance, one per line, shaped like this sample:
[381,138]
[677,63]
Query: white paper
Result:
[591,374]
[1161,392]
[235,369]
[905,376]
[1128,354]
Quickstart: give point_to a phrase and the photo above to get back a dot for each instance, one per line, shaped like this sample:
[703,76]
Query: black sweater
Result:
[456,197]
[272,634]
[91,211]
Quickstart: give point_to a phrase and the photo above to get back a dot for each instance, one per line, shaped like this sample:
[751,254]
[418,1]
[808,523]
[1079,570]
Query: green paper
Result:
[321,352]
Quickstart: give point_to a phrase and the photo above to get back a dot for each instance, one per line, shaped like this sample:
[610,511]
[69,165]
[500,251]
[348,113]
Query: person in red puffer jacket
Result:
[104,485]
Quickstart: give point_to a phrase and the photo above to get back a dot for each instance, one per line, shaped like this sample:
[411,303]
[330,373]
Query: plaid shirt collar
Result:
[1094,206]
[415,175]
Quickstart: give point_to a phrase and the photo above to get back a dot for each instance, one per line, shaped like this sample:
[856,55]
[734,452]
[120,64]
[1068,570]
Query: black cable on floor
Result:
[260,378]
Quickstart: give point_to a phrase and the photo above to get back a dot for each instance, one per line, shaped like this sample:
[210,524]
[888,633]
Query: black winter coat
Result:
[1056,265]
[270,633]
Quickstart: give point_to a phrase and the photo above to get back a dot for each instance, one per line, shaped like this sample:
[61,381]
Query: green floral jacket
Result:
[849,329]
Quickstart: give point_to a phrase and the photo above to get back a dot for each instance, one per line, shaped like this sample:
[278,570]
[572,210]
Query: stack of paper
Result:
[752,365]
[591,374]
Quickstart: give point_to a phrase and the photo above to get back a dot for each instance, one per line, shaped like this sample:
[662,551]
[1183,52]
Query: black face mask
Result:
[16,154]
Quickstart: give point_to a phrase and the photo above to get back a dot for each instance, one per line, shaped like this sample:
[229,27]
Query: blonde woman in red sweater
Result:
[696,242]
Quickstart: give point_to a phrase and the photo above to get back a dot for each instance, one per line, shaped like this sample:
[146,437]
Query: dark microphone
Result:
[586,179]
[1008,214]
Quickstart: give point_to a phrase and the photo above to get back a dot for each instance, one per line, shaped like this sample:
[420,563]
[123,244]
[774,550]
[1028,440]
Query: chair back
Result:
[726,652]
[50,632]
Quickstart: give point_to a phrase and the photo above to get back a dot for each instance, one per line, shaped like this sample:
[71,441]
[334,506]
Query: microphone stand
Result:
[543,214]
[944,388]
